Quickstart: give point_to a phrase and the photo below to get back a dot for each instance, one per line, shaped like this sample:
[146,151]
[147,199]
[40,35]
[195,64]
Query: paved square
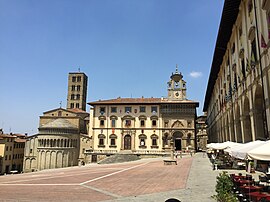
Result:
[96,182]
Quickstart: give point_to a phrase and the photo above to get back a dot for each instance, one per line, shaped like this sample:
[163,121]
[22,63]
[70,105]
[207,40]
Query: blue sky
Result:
[128,48]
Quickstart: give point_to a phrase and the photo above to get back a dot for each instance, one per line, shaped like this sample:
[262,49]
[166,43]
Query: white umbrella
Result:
[234,146]
[221,146]
[261,152]
[241,151]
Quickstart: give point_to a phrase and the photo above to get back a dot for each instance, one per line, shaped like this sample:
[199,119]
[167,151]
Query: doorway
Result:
[127,142]
[178,144]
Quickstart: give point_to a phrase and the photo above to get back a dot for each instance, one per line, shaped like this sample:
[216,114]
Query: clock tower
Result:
[177,86]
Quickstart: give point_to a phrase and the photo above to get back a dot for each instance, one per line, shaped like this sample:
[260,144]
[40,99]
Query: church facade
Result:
[63,133]
[145,126]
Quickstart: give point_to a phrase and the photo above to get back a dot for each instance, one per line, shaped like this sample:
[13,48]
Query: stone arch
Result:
[27,164]
[246,120]
[177,124]
[238,125]
[227,126]
[259,113]
[59,160]
[42,160]
[53,159]
[177,140]
[48,160]
[33,163]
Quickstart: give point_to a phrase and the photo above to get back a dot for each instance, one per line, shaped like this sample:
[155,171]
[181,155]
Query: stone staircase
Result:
[119,158]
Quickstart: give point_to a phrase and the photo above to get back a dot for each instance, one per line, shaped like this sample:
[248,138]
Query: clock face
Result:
[176,94]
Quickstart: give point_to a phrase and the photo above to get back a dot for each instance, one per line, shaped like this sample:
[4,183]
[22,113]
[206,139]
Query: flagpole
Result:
[266,134]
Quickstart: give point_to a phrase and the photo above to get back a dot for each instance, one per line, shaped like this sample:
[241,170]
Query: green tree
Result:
[224,189]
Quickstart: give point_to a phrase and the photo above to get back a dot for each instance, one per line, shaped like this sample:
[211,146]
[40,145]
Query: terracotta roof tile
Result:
[20,140]
[77,110]
[140,101]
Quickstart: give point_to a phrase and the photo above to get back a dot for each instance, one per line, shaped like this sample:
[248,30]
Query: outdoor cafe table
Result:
[256,196]
[250,188]
[243,182]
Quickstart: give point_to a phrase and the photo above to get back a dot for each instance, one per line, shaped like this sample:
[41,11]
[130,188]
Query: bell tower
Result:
[177,86]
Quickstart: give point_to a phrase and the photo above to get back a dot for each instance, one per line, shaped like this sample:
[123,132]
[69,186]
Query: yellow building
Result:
[11,152]
[144,126]
[237,96]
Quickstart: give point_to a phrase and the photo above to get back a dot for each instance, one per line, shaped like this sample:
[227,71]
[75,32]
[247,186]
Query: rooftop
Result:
[142,101]
[58,123]
[228,18]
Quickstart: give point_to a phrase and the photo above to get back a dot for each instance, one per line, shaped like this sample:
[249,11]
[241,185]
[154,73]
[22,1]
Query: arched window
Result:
[113,138]
[101,138]
[142,138]
[154,138]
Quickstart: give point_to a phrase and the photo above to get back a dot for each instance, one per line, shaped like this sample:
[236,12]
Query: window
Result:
[101,138]
[142,138]
[127,123]
[101,122]
[127,109]
[6,157]
[60,113]
[113,109]
[142,142]
[113,123]
[78,96]
[154,142]
[112,142]
[154,109]
[6,148]
[77,105]
[78,79]
[10,148]
[142,109]
[113,138]
[142,123]
[102,110]
[72,96]
[73,87]
[71,105]
[9,157]
[101,142]
[154,122]
[78,88]
[74,79]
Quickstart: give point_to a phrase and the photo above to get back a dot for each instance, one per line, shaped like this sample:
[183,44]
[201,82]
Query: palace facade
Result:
[144,125]
[237,96]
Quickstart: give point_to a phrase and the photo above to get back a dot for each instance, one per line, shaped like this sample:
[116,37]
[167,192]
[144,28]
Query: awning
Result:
[261,152]
[241,152]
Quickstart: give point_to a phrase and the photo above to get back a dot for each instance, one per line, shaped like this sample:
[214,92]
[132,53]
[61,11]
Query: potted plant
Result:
[224,189]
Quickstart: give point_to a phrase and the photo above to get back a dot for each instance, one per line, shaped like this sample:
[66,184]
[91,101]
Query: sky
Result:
[127,48]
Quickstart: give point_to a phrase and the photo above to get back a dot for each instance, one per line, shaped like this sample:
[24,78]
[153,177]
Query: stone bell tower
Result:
[177,86]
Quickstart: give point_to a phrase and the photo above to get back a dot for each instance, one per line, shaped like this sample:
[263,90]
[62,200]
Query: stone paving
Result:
[191,180]
[199,188]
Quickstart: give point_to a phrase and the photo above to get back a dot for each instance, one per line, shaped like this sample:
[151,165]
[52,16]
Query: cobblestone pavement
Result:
[191,180]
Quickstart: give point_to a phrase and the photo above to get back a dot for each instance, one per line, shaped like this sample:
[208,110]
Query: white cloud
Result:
[195,74]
